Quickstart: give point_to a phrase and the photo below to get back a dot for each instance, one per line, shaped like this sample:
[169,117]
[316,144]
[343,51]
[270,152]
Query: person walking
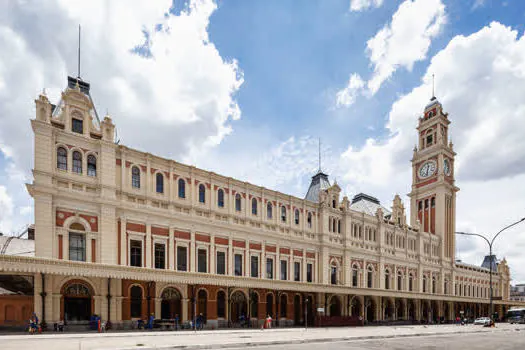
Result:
[177,322]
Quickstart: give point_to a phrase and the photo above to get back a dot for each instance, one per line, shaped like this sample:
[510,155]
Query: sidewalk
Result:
[229,338]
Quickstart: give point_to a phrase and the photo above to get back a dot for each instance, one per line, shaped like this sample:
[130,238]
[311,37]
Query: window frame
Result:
[238,202]
[161,259]
[283,272]
[179,250]
[254,274]
[135,177]
[202,194]
[159,185]
[77,162]
[133,252]
[220,198]
[200,264]
[181,184]
[270,263]
[62,158]
[217,265]
[75,123]
[237,270]
[91,166]
[82,248]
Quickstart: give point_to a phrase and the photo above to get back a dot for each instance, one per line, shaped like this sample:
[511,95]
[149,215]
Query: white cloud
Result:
[477,4]
[347,96]
[481,81]
[399,44]
[405,40]
[6,211]
[183,94]
[360,5]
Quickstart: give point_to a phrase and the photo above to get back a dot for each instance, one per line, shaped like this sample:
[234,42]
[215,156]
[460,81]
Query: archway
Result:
[297,310]
[426,313]
[170,304]
[355,306]
[238,306]
[254,305]
[411,310]
[78,302]
[221,304]
[335,306]
[309,301]
[370,309]
[202,304]
[446,311]
[435,311]
[389,310]
[269,305]
[283,306]
[400,309]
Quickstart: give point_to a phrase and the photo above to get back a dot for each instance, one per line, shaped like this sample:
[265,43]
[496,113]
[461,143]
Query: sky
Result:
[247,88]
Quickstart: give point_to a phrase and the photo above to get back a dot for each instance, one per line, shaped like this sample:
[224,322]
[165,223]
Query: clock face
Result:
[427,169]
[446,167]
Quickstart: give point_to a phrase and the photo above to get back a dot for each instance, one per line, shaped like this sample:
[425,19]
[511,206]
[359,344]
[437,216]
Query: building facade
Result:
[124,234]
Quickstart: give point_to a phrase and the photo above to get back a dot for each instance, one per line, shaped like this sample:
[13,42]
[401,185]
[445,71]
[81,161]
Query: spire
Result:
[433,92]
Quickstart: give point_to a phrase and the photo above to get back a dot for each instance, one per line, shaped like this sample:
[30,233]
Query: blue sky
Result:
[245,88]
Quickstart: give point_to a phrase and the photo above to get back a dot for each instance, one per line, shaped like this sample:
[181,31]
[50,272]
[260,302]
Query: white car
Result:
[482,320]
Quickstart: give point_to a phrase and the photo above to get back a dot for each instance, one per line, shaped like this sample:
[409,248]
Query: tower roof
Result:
[433,101]
[319,182]
[367,204]
[486,262]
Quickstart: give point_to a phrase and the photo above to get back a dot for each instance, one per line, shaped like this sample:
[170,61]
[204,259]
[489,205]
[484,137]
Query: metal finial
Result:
[319,154]
[433,94]
[78,75]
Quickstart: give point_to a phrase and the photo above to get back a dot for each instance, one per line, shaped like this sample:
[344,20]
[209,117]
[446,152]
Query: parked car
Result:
[482,321]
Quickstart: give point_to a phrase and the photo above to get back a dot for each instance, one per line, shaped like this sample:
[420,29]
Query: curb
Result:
[304,341]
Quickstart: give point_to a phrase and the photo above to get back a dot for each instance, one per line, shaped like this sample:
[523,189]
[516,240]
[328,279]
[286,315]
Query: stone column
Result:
[185,309]
[192,252]
[54,315]
[123,242]
[65,246]
[147,246]
[230,257]
[263,262]
[171,252]
[212,255]
[158,306]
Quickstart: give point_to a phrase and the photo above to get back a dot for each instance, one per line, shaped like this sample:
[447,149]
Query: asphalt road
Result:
[493,341]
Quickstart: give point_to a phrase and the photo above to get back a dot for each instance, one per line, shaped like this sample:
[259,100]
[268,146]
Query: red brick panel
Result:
[65,214]
[284,251]
[256,246]
[136,227]
[202,238]
[310,255]
[60,246]
[182,235]
[239,244]
[270,249]
[421,184]
[160,231]
[93,221]
[119,161]
[297,252]
[220,240]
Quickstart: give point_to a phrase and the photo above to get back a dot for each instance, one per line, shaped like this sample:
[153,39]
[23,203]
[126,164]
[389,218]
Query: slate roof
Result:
[486,263]
[319,182]
[367,204]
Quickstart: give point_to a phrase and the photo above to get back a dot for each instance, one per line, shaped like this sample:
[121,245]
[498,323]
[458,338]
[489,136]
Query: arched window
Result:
[333,203]
[296,216]
[424,284]
[160,183]
[370,277]
[135,177]
[309,220]
[254,206]
[338,226]
[61,158]
[433,285]
[220,198]
[283,213]
[387,279]
[269,210]
[354,275]
[91,165]
[237,202]
[283,306]
[77,162]
[399,280]
[410,282]
[182,188]
[77,243]
[136,301]
[202,193]
[333,274]
[330,223]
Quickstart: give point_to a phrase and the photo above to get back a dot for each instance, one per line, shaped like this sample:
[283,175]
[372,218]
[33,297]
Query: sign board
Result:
[320,309]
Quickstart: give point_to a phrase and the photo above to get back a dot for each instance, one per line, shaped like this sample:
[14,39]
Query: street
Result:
[499,341]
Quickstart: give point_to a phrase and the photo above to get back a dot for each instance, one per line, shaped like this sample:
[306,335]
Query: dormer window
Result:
[77,125]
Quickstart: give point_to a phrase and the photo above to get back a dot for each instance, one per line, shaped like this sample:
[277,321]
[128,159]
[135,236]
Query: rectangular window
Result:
[269,268]
[160,256]
[221,263]
[238,265]
[297,271]
[182,259]
[77,247]
[135,256]
[309,272]
[284,270]
[77,126]
[202,261]
[254,262]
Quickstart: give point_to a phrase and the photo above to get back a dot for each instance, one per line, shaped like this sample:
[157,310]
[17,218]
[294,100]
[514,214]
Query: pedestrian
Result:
[150,321]
[177,322]
[269,321]
[457,320]
[201,322]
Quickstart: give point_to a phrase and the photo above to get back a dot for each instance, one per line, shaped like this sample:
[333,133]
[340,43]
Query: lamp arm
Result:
[503,229]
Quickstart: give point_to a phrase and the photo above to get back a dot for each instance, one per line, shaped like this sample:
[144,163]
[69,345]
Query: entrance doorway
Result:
[171,304]
[77,304]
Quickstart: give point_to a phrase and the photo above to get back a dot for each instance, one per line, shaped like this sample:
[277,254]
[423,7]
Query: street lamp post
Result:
[490,243]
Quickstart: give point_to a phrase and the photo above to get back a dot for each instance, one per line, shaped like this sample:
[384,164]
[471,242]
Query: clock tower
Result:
[433,195]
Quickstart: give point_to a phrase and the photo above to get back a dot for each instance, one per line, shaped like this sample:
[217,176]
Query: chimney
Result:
[31,232]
